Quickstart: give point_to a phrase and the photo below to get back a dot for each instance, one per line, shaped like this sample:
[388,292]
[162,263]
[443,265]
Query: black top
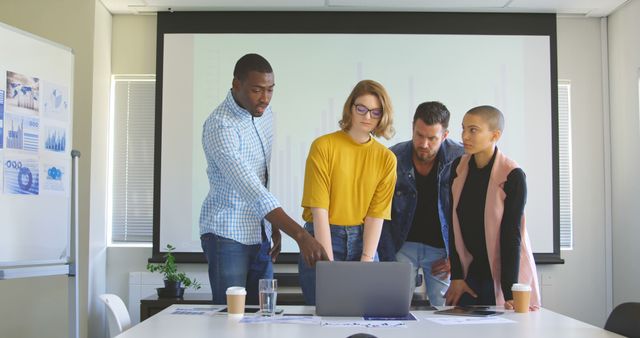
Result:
[470,213]
[426,221]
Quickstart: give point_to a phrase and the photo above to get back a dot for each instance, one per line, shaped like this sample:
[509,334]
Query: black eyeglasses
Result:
[376,113]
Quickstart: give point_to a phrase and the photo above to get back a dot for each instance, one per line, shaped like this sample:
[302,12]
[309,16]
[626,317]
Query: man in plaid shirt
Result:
[240,220]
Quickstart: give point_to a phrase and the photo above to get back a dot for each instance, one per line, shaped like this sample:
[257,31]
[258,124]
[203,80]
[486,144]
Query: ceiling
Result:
[590,8]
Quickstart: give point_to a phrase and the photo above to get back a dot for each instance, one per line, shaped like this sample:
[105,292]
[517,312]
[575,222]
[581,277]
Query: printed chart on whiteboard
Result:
[34,121]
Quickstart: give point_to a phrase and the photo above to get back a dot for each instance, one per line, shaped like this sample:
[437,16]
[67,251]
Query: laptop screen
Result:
[363,288]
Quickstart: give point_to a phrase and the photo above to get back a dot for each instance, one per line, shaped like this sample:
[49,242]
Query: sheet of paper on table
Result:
[196,310]
[457,320]
[314,320]
[363,323]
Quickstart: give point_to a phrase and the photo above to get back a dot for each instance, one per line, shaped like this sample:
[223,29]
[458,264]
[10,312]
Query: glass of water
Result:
[268,290]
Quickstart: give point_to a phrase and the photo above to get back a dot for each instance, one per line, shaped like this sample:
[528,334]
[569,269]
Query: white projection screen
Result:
[317,59]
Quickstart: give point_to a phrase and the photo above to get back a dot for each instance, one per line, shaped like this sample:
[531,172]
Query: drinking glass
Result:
[268,291]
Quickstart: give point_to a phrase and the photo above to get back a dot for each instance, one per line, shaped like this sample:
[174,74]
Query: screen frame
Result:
[354,23]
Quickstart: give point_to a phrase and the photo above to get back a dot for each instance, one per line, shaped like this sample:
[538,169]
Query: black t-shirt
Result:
[470,213]
[471,216]
[426,222]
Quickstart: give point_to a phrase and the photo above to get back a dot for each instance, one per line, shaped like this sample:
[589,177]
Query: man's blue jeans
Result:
[346,242]
[423,256]
[235,264]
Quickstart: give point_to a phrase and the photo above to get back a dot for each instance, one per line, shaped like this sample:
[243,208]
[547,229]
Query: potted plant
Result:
[173,280]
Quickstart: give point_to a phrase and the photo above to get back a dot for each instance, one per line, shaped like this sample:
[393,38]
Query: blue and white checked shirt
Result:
[238,151]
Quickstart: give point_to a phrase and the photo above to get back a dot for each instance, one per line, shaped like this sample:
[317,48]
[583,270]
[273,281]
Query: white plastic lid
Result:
[521,287]
[236,290]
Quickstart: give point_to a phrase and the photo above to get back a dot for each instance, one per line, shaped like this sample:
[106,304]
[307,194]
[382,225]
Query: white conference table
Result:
[541,323]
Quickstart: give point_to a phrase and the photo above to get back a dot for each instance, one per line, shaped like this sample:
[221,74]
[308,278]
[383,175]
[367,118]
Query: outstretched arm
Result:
[310,249]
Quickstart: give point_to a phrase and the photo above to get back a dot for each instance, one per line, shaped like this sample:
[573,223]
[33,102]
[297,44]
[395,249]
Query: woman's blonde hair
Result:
[385,125]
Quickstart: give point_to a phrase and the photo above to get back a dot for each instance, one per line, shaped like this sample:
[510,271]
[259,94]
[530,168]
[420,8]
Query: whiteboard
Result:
[36,86]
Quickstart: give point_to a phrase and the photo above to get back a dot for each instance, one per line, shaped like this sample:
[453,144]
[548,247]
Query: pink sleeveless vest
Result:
[493,212]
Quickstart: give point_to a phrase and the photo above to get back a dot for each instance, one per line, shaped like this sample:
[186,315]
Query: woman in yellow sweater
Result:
[349,182]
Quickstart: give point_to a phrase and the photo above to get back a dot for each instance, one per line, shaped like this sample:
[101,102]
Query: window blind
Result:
[564,139]
[132,155]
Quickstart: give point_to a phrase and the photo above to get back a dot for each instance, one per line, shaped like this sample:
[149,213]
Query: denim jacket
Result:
[395,231]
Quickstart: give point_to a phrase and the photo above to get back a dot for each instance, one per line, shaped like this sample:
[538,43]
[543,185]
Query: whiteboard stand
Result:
[74,328]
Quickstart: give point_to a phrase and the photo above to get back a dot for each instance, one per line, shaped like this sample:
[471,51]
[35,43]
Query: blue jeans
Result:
[423,256]
[346,242]
[235,264]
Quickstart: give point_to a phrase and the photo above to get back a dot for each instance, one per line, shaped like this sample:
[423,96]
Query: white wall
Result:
[579,60]
[578,287]
[134,44]
[100,108]
[624,70]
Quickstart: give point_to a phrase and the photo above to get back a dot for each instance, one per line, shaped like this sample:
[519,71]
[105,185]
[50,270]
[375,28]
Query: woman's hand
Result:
[508,305]
[457,288]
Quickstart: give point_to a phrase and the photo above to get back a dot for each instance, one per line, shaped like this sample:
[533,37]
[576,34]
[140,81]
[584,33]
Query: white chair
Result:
[119,319]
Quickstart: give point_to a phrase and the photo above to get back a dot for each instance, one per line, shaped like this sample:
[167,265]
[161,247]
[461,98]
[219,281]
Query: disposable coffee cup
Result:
[521,296]
[235,300]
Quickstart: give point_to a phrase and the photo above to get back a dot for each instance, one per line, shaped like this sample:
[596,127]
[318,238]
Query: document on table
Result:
[409,316]
[363,323]
[459,320]
[196,310]
[314,320]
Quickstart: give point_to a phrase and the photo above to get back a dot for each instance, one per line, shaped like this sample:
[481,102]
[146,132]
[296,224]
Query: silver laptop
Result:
[357,289]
